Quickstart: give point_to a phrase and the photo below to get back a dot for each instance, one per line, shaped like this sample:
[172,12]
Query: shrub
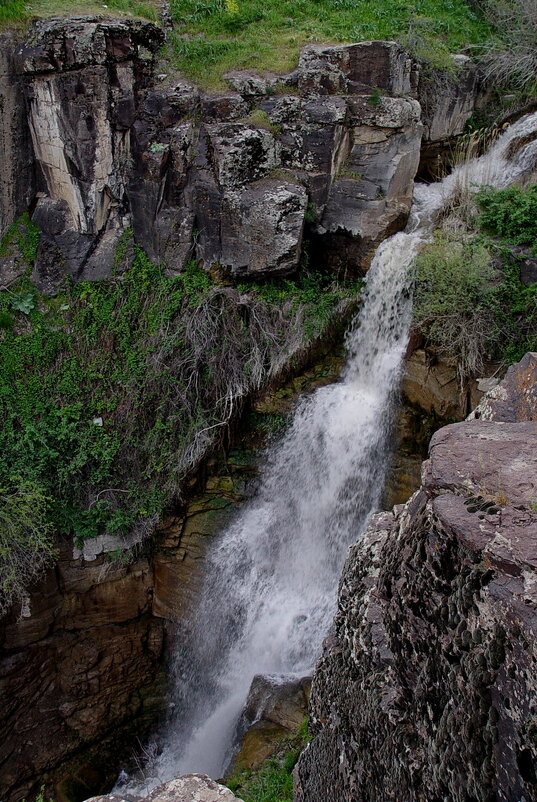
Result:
[512,58]
[510,213]
[453,300]
[112,391]
[26,546]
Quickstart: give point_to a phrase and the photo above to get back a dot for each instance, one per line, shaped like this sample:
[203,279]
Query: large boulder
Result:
[190,788]
[427,686]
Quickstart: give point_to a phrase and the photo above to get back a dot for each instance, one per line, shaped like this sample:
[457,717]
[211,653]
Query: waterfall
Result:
[272,575]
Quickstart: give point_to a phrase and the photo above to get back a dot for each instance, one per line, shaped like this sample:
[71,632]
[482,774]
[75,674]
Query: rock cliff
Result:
[93,142]
[426,689]
[232,179]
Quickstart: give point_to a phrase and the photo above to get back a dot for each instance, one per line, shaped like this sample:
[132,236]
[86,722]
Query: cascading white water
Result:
[272,576]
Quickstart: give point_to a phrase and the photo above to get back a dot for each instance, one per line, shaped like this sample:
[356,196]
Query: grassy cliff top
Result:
[214,36]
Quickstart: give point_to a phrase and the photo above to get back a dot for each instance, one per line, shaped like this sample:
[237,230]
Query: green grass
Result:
[273,781]
[22,11]
[213,36]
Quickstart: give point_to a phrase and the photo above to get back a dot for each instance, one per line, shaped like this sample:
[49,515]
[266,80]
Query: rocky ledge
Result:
[427,686]
[231,179]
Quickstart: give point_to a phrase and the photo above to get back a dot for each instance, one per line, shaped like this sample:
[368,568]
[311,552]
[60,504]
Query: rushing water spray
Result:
[271,578]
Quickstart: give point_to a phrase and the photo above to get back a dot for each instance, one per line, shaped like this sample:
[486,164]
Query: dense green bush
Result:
[510,213]
[469,300]
[452,300]
[111,391]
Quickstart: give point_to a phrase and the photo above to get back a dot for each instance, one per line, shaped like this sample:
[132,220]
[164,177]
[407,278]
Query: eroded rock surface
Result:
[427,686]
[190,788]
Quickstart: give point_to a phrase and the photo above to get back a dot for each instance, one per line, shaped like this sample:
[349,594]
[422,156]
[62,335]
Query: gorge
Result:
[321,162]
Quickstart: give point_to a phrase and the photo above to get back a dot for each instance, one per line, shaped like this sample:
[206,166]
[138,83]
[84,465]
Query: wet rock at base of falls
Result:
[190,788]
[275,709]
[427,686]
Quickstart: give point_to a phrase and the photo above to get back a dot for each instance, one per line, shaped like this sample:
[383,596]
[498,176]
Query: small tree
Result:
[26,546]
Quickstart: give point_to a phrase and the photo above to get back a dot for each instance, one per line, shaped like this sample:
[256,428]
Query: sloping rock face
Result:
[427,687]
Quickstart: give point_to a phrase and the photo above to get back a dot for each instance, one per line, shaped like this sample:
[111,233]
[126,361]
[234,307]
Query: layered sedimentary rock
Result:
[427,687]
[79,665]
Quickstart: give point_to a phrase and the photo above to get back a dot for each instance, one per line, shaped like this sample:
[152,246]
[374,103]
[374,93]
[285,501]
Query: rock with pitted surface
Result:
[190,788]
[427,686]
[514,399]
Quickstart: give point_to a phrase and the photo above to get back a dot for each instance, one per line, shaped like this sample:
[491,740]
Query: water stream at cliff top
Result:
[272,575]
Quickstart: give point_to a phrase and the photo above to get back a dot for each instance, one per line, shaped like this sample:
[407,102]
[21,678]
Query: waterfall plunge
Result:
[272,576]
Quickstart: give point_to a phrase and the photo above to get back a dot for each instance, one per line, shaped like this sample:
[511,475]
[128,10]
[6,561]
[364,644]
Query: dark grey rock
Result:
[17,181]
[427,686]
[353,69]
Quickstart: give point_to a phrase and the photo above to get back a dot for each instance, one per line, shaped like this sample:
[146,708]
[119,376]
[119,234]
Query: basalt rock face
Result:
[233,180]
[17,187]
[427,689]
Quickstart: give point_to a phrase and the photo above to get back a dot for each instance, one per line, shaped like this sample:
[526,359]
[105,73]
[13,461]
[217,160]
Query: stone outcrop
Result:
[190,788]
[82,78]
[426,689]
[232,179]
[448,100]
[235,187]
[275,709]
[17,187]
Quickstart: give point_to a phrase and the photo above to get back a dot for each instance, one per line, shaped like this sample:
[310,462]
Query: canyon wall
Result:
[94,141]
[426,689]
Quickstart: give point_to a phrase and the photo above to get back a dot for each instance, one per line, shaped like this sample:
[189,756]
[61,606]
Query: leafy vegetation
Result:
[111,391]
[25,235]
[469,299]
[510,213]
[452,301]
[25,537]
[273,781]
[21,11]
